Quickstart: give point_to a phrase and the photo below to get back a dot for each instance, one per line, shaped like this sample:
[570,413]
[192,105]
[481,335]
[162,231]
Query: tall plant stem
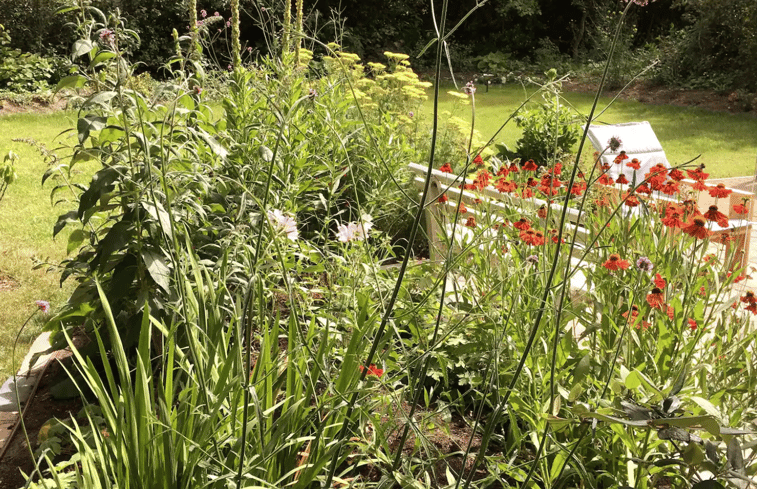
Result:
[298,25]
[236,47]
[285,35]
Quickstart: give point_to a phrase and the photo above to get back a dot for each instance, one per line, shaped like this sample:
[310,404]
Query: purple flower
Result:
[614,143]
[203,13]
[198,90]
[312,93]
[231,68]
[411,113]
[107,36]
[44,306]
[469,88]
[532,259]
[249,49]
[644,264]
[228,23]
[216,14]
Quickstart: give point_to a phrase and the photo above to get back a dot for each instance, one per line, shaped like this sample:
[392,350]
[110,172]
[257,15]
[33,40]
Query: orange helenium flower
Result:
[471,222]
[614,262]
[634,164]
[655,298]
[697,228]
[713,214]
[522,224]
[446,168]
[719,191]
[530,166]
[373,370]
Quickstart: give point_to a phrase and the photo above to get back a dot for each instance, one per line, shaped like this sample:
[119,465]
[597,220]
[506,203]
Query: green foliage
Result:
[549,131]
[25,72]
[7,172]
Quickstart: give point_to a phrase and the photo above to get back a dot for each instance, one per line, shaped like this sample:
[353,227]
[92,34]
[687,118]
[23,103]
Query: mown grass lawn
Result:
[726,142]
[26,226]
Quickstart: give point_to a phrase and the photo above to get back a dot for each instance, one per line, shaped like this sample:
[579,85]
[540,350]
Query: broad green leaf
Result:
[266,153]
[157,266]
[81,47]
[75,240]
[71,81]
[89,123]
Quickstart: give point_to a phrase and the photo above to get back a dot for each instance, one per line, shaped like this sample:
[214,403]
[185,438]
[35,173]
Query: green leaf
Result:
[71,81]
[693,454]
[82,47]
[582,368]
[735,457]
[89,123]
[708,407]
[160,215]
[679,382]
[75,240]
[101,57]
[266,153]
[100,98]
[157,266]
[64,219]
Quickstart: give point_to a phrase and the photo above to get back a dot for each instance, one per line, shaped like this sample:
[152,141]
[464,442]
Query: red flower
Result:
[502,172]
[752,308]
[696,228]
[749,298]
[692,324]
[634,164]
[742,208]
[719,191]
[531,237]
[643,189]
[676,174]
[446,168]
[505,186]
[634,313]
[655,298]
[531,182]
[669,188]
[578,189]
[606,179]
[621,156]
[530,166]
[615,263]
[542,212]
[657,175]
[621,179]
[555,238]
[478,160]
[673,219]
[659,282]
[522,224]
[513,168]
[462,208]
[671,312]
[442,199]
[697,174]
[630,200]
[470,186]
[471,222]
[373,370]
[527,193]
[699,186]
[482,179]
[713,214]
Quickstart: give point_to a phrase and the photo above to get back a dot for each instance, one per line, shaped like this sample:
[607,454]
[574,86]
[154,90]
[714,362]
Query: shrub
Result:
[25,72]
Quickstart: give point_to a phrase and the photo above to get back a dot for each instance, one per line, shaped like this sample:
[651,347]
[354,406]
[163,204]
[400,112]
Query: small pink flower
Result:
[216,14]
[43,306]
[203,13]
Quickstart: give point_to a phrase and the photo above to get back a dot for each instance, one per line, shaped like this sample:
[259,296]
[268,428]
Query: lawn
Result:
[26,224]
[726,142]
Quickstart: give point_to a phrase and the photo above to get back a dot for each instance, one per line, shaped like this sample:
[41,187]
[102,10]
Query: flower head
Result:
[469,88]
[614,262]
[645,264]
[43,306]
[614,143]
[107,37]
[446,168]
[283,223]
[373,370]
[203,13]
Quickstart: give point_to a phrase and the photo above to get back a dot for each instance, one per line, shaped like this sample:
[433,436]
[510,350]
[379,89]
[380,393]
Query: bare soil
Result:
[43,407]
[649,93]
[36,105]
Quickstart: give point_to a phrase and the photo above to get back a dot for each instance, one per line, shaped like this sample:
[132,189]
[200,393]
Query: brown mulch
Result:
[37,105]
[648,93]
[42,408]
